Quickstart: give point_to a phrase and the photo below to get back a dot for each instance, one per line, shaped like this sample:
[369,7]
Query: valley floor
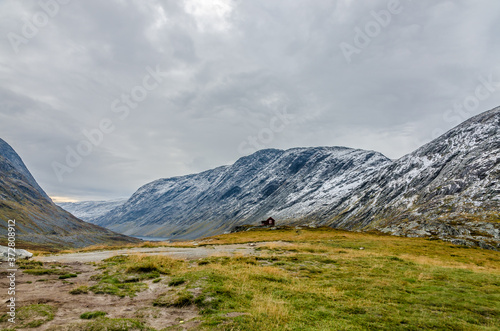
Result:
[288,279]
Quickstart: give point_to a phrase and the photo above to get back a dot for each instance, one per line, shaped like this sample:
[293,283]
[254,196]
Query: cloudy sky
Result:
[101,97]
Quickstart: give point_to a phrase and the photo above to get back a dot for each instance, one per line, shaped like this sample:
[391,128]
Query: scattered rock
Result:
[472,234]
[18,253]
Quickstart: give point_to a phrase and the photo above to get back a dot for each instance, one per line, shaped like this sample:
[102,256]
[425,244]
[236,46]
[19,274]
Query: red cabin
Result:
[269,222]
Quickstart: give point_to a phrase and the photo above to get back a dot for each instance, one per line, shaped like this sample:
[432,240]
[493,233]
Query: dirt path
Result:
[55,292]
[174,252]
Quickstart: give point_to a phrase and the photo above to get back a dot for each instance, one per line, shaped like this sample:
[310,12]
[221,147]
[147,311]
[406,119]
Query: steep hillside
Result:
[288,185]
[89,211]
[8,153]
[448,188]
[38,219]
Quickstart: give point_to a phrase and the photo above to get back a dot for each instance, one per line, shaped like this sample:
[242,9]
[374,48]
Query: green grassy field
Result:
[308,279]
[322,279]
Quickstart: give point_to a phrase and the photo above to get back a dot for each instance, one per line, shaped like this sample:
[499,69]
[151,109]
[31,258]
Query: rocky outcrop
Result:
[472,233]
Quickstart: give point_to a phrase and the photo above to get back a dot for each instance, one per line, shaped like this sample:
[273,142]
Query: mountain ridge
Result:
[479,149]
[38,219]
[181,199]
[15,160]
[89,211]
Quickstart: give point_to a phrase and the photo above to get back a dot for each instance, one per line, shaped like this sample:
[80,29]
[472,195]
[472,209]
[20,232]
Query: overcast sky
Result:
[177,87]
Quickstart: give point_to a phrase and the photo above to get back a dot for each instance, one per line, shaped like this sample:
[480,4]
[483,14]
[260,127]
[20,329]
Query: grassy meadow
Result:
[313,279]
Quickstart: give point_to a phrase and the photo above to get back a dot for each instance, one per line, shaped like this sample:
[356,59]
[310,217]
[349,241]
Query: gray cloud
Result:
[230,66]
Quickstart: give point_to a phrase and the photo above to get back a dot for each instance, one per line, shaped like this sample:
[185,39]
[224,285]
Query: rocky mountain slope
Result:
[14,160]
[89,211]
[448,189]
[38,219]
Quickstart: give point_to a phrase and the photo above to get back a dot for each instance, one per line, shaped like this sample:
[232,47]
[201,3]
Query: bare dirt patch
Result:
[49,289]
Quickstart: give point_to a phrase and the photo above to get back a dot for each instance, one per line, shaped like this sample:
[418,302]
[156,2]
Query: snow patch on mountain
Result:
[89,211]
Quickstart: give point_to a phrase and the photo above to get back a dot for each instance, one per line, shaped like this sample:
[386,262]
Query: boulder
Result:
[19,254]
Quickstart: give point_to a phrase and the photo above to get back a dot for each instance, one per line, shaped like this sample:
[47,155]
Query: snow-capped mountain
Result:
[89,211]
[289,185]
[448,188]
[38,219]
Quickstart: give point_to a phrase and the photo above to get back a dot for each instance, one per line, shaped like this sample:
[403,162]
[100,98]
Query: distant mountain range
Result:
[38,219]
[447,189]
[90,211]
